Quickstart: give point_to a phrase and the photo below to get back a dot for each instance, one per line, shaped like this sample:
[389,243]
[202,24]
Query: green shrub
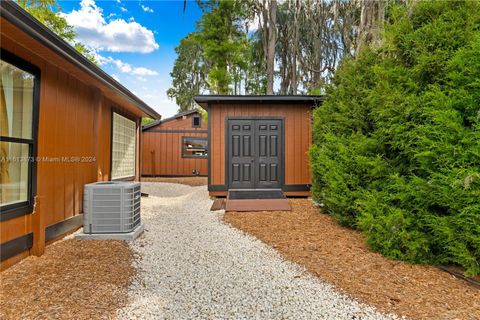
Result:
[397,143]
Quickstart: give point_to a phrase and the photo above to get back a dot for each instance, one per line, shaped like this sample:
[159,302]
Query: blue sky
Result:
[135,41]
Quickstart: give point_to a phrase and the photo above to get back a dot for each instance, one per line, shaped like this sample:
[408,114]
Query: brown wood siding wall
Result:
[74,121]
[298,137]
[162,151]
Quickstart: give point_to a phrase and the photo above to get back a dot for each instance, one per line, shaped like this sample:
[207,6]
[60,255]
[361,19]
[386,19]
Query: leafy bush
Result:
[397,143]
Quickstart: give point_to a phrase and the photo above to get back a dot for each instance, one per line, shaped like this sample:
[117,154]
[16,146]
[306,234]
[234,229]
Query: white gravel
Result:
[193,266]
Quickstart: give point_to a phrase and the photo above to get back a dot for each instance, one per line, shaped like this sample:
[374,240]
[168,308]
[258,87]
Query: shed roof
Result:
[21,19]
[204,100]
[178,115]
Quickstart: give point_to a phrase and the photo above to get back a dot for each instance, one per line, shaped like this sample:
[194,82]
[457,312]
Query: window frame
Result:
[129,117]
[194,156]
[14,210]
[197,116]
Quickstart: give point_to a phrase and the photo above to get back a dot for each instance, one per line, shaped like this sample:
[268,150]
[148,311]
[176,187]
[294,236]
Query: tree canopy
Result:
[242,47]
[397,143]
[217,58]
[47,12]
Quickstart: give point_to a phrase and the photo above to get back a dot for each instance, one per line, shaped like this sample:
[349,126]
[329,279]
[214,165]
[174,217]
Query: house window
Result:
[123,147]
[196,121]
[194,147]
[19,99]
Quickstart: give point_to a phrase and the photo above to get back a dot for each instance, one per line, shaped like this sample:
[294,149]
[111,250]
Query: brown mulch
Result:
[340,256]
[74,279]
[189,181]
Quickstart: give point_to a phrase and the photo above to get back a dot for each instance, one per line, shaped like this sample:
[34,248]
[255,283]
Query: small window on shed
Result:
[196,121]
[194,147]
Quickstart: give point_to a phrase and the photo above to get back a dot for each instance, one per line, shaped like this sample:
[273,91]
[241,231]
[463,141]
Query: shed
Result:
[259,142]
[64,123]
[175,146]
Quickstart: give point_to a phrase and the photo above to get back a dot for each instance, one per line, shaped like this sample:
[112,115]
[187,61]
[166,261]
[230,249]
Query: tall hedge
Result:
[396,149]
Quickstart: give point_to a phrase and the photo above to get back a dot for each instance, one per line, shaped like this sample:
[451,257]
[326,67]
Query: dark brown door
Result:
[254,154]
[267,154]
[240,157]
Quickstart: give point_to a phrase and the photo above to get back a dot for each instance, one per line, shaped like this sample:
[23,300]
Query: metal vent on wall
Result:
[111,207]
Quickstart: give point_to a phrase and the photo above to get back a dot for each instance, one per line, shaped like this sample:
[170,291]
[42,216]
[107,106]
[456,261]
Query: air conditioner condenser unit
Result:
[111,207]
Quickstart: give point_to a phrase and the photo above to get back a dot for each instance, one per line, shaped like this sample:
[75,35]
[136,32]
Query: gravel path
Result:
[194,266]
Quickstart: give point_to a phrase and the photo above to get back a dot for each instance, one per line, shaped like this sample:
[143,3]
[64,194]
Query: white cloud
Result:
[123,9]
[144,71]
[161,103]
[142,79]
[154,94]
[146,9]
[116,35]
[126,67]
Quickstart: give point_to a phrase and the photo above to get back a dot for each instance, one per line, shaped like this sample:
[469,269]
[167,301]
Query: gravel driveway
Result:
[191,265]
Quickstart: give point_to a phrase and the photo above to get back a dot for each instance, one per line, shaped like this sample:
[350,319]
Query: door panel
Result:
[254,154]
[240,154]
[235,145]
[268,159]
[247,145]
[273,146]
[247,172]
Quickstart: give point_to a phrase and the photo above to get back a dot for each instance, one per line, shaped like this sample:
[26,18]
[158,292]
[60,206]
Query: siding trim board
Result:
[15,246]
[285,187]
[296,187]
[171,175]
[55,230]
[217,187]
[176,131]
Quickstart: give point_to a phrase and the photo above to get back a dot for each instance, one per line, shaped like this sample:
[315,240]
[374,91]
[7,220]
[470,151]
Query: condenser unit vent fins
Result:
[111,207]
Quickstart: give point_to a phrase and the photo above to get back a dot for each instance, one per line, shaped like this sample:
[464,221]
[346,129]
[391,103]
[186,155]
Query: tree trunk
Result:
[272,25]
[296,31]
[371,24]
[283,65]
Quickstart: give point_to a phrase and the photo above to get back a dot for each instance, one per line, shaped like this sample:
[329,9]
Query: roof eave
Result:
[178,115]
[205,100]
[13,13]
